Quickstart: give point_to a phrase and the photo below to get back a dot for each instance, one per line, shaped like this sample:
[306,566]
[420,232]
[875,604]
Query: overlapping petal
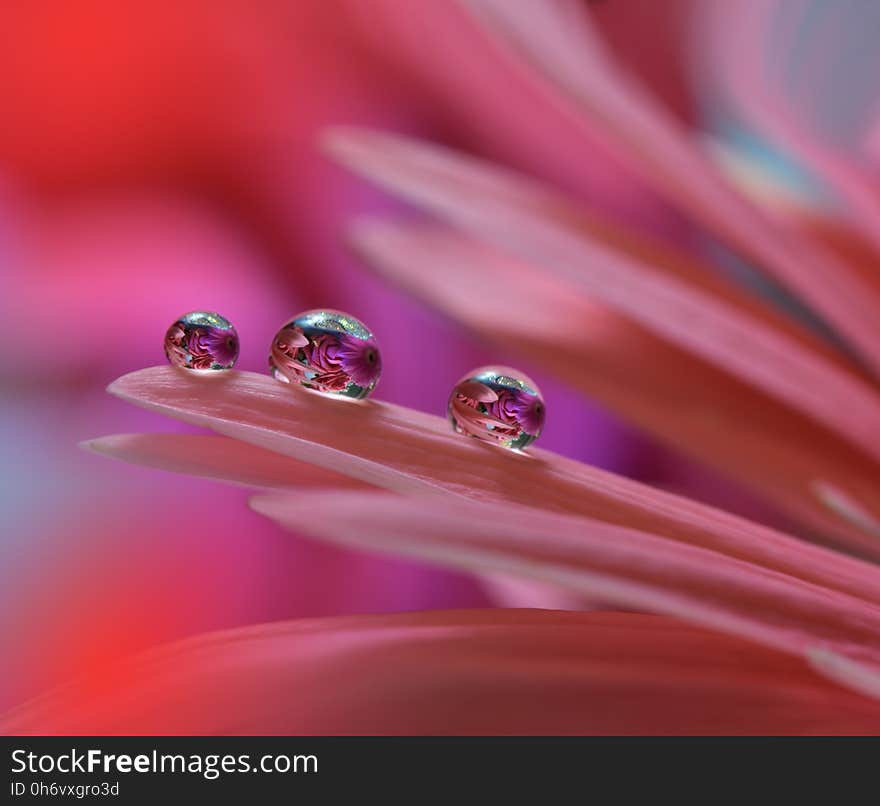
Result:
[626,567]
[218,458]
[654,335]
[545,230]
[687,402]
[415,453]
[772,60]
[556,39]
[483,672]
[534,224]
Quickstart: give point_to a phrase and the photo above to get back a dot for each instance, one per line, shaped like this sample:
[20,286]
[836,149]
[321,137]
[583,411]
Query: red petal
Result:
[478,672]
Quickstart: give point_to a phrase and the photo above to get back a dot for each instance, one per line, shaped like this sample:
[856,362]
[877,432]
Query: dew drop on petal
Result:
[327,351]
[498,405]
[202,340]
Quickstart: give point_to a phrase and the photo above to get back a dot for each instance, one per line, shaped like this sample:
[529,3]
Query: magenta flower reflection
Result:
[328,351]
[499,405]
[202,340]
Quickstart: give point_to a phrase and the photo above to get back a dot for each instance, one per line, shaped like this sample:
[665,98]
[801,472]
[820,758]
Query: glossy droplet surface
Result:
[498,405]
[202,340]
[328,351]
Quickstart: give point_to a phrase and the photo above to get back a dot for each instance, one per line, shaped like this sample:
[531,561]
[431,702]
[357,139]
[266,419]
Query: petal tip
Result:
[121,386]
[103,446]
[88,445]
[264,504]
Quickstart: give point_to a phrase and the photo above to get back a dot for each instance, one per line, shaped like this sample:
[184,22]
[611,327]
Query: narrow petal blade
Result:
[763,56]
[464,672]
[411,452]
[532,223]
[624,567]
[218,458]
[849,673]
[557,39]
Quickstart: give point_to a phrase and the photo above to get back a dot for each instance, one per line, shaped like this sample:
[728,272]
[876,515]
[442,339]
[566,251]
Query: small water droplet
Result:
[201,340]
[498,405]
[327,351]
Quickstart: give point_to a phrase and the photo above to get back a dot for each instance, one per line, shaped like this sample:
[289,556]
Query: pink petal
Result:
[557,40]
[535,225]
[217,458]
[816,222]
[238,462]
[477,672]
[625,567]
[693,406]
[411,452]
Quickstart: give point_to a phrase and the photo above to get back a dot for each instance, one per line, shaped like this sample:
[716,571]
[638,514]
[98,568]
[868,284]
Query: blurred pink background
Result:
[161,157]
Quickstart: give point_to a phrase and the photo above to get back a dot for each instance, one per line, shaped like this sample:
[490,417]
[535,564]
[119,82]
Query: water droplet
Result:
[498,405]
[202,340]
[328,351]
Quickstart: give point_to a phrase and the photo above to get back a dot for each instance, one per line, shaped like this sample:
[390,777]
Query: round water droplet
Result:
[328,351]
[202,340]
[498,405]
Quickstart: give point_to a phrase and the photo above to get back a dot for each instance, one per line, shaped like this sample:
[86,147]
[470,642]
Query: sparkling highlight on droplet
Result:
[497,405]
[327,351]
[202,340]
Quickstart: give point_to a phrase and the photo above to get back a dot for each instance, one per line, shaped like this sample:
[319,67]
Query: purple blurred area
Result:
[161,157]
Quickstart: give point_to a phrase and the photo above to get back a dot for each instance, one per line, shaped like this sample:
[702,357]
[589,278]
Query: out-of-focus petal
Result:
[648,40]
[810,215]
[779,64]
[625,567]
[489,104]
[412,452]
[218,458]
[459,672]
[687,402]
[535,224]
[238,462]
[557,39]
